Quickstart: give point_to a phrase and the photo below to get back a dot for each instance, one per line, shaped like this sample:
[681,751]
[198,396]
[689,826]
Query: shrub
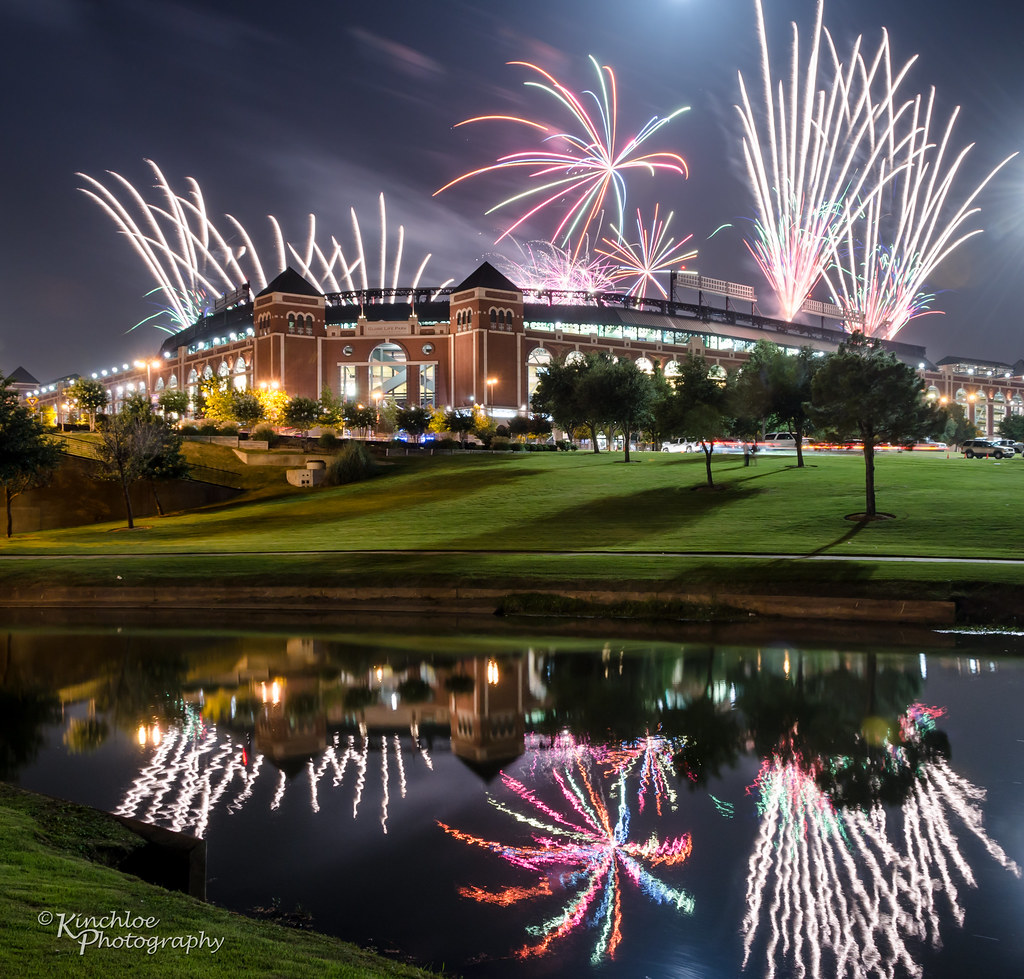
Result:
[328,441]
[414,690]
[357,698]
[516,447]
[229,430]
[208,428]
[352,464]
[189,429]
[502,431]
[460,683]
[500,442]
[447,442]
[266,434]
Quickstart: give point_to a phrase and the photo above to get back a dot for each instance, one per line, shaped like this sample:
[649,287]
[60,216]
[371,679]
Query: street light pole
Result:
[376,401]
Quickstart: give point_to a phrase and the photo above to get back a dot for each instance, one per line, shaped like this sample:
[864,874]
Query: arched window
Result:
[999,411]
[537,360]
[672,369]
[574,357]
[240,380]
[388,372]
[644,364]
[501,317]
[494,316]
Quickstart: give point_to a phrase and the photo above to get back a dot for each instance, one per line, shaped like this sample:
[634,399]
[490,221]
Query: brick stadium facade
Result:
[482,343]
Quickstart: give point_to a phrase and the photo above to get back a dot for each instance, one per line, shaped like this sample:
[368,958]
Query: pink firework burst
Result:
[575,171]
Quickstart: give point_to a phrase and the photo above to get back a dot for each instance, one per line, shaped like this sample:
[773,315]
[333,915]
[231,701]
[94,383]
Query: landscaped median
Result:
[67,913]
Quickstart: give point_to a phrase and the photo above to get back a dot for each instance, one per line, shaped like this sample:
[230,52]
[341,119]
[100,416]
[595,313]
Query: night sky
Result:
[293,108]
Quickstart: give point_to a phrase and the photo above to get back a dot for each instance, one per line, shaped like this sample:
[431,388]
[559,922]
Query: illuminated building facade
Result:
[483,342]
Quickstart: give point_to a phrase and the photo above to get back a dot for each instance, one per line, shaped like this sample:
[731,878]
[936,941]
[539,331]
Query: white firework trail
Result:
[811,159]
[907,228]
[193,262]
[842,894]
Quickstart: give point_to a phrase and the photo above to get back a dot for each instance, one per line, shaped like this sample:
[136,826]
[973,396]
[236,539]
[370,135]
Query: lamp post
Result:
[491,381]
[149,365]
[377,395]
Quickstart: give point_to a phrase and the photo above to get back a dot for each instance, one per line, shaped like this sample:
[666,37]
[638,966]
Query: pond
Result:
[504,802]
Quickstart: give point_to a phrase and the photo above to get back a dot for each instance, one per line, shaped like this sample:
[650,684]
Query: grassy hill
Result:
[517,519]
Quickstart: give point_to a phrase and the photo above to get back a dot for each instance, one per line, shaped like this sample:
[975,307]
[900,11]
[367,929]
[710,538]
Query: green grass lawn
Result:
[48,867]
[573,502]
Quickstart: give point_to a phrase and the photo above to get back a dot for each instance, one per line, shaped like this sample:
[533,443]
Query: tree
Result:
[28,455]
[460,423]
[359,416]
[246,408]
[863,390]
[629,397]
[1011,427]
[88,396]
[218,400]
[273,401]
[301,413]
[701,407]
[414,420]
[558,395]
[540,427]
[332,409]
[775,384]
[135,447]
[662,411]
[173,401]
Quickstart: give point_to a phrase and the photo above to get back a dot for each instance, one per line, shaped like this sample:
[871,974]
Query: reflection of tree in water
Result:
[579,842]
[844,891]
[709,734]
[23,715]
[603,699]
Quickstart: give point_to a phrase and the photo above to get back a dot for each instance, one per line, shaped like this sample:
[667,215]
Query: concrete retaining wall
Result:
[469,599]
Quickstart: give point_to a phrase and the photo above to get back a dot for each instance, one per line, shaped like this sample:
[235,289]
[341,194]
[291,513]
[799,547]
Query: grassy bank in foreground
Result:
[48,854]
[504,511]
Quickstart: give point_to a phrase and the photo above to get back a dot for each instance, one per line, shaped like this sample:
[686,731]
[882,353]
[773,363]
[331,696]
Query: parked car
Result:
[981,448]
[1007,444]
[781,440]
[681,445]
[926,445]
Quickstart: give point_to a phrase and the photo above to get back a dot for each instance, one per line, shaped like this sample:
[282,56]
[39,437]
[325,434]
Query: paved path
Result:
[431,552]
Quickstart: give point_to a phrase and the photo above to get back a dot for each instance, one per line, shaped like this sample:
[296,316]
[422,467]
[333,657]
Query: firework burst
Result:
[575,171]
[640,263]
[588,849]
[542,266]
